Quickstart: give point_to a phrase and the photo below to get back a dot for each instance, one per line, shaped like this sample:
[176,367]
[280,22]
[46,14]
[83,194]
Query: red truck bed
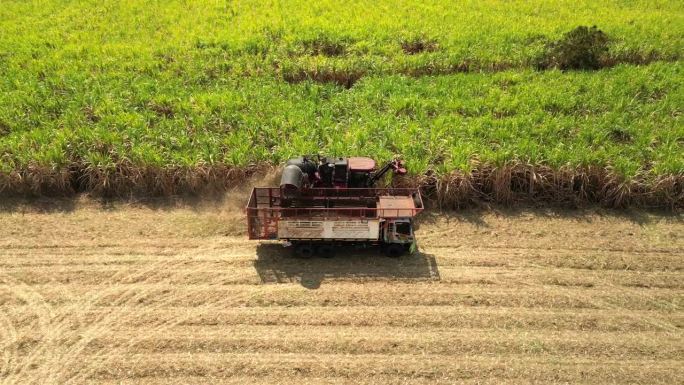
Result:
[267,206]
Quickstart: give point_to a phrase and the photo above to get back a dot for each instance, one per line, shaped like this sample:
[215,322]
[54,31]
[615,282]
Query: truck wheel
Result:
[394,250]
[326,251]
[304,250]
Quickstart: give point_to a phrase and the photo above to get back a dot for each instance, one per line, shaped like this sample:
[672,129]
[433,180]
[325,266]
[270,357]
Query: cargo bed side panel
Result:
[337,229]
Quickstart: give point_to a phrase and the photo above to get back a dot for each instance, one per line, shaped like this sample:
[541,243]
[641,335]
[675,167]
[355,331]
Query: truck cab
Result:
[398,236]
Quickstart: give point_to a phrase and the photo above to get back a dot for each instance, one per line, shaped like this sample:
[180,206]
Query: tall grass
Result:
[626,117]
[101,90]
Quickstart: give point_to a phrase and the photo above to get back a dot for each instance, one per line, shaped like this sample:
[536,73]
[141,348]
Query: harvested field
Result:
[174,294]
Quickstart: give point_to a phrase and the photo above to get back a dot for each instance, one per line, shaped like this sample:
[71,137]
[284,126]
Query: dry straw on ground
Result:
[143,295]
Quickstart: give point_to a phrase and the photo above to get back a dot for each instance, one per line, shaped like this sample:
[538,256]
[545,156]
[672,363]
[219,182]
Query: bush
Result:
[583,48]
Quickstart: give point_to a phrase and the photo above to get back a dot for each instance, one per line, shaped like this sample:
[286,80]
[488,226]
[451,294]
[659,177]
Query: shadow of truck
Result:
[275,264]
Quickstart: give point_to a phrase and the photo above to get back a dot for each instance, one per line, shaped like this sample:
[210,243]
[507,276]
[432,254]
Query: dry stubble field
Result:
[174,294]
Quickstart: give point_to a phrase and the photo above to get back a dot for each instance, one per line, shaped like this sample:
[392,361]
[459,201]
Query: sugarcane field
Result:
[387,192]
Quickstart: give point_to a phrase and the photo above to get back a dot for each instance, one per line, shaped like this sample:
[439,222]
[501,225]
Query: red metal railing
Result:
[264,209]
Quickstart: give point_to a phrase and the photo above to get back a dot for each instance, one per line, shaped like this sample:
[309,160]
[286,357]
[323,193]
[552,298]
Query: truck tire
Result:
[304,250]
[394,250]
[326,251]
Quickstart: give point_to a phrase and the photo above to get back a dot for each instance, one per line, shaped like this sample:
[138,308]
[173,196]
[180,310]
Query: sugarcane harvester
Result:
[323,203]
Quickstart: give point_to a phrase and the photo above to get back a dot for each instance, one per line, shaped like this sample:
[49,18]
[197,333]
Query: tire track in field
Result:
[101,327]
[160,326]
[59,369]
[103,324]
[50,372]
[8,336]
[395,293]
[638,315]
[242,273]
[543,369]
[44,313]
[602,303]
[403,317]
[454,342]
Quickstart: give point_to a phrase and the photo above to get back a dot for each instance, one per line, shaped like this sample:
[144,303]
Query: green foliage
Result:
[178,83]
[583,48]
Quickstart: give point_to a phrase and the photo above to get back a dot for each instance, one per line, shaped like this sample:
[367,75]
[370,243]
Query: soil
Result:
[172,293]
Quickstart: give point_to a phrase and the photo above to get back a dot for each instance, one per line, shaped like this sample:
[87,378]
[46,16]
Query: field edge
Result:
[504,185]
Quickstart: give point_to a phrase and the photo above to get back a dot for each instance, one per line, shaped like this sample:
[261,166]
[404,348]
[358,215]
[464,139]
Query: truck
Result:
[325,203]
